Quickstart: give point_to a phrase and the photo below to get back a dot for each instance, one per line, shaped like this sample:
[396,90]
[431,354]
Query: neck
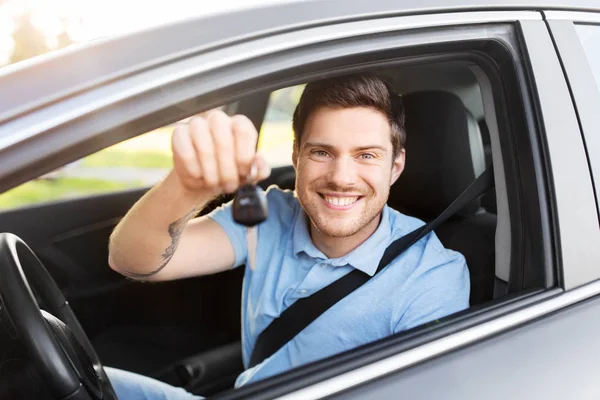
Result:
[336,247]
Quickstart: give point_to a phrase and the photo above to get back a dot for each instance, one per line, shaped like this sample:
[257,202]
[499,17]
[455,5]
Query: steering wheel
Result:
[56,342]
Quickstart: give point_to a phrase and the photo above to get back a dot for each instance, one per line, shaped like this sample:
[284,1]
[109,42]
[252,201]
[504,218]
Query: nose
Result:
[343,172]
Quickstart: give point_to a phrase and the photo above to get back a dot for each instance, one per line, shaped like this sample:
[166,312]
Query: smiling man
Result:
[348,151]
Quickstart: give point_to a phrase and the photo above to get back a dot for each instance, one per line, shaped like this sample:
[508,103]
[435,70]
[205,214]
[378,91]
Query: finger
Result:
[263,170]
[205,151]
[245,137]
[206,114]
[185,161]
[220,128]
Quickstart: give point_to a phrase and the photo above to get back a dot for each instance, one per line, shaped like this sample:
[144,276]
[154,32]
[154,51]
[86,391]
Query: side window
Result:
[276,135]
[138,162]
[590,39]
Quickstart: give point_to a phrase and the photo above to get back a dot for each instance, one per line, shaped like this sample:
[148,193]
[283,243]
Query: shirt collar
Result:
[364,258]
[302,241]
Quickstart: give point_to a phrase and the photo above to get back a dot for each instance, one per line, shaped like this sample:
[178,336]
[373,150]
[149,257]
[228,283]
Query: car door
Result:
[287,45]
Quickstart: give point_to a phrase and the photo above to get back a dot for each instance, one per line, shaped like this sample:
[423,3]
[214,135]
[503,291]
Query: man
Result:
[348,151]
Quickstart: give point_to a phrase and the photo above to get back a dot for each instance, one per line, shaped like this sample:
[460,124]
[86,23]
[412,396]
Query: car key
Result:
[250,209]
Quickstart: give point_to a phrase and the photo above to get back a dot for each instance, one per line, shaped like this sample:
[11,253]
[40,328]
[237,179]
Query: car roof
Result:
[47,78]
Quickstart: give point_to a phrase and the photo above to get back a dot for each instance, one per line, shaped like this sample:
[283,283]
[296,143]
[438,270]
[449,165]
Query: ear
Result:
[398,166]
[295,156]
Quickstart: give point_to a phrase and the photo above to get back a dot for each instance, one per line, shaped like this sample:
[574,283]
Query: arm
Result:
[158,239]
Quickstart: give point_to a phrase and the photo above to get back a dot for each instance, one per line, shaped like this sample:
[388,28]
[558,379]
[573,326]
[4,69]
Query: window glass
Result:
[276,135]
[138,162]
[590,39]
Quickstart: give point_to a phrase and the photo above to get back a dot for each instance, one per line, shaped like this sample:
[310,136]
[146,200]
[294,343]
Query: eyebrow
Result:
[330,147]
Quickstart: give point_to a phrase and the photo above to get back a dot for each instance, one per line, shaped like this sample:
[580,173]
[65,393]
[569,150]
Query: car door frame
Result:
[579,75]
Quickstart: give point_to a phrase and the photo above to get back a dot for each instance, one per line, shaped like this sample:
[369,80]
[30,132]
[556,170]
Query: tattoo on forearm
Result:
[175,231]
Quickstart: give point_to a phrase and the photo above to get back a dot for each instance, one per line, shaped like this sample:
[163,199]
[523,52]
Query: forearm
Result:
[145,240]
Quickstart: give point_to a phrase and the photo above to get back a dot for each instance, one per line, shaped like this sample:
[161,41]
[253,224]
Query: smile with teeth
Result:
[340,201]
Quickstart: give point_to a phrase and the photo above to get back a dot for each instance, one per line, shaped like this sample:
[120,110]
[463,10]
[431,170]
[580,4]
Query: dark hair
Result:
[352,91]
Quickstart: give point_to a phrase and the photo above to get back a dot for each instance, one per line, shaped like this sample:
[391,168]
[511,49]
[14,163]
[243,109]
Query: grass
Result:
[114,157]
[41,191]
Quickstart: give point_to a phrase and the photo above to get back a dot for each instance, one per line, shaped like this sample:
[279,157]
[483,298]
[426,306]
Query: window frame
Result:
[579,73]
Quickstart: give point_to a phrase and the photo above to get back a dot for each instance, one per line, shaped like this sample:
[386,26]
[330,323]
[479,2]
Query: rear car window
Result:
[590,39]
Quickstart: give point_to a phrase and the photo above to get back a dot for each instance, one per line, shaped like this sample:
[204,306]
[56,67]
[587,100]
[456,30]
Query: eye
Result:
[367,156]
[320,153]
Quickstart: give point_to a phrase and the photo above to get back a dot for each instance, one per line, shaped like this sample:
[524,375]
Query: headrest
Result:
[444,154]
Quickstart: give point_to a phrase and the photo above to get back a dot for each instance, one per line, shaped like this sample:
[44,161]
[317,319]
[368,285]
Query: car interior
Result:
[187,332]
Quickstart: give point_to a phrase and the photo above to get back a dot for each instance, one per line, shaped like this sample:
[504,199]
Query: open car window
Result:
[135,163]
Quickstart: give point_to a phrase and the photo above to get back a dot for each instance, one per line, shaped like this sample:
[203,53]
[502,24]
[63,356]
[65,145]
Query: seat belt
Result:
[302,312]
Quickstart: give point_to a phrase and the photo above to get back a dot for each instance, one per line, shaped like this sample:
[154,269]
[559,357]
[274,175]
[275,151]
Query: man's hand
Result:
[158,239]
[214,154]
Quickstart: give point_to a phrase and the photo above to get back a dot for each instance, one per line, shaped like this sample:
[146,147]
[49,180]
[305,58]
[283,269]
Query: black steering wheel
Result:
[60,349]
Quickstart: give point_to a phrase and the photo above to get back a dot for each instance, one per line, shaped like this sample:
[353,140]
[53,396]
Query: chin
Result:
[336,228]
[335,232]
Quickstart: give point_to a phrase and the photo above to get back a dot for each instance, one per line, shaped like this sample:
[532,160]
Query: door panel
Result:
[71,238]
[552,358]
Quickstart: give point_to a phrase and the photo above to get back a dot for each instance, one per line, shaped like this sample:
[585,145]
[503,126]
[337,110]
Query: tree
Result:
[29,42]
[63,40]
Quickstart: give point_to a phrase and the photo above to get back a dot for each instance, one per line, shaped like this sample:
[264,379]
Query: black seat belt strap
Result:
[302,312]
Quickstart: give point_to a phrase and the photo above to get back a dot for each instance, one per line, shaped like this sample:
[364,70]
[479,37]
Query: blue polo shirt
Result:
[425,283]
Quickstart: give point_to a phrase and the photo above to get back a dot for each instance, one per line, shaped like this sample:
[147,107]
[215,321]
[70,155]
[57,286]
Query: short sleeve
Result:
[441,291]
[223,215]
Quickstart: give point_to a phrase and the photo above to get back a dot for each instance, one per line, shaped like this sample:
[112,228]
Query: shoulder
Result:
[427,263]
[435,280]
[281,198]
[429,247]
[402,224]
[282,206]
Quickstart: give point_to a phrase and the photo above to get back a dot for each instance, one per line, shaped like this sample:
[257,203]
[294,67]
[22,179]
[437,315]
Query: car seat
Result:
[444,154]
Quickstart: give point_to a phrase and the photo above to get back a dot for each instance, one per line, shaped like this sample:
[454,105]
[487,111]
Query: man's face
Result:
[344,169]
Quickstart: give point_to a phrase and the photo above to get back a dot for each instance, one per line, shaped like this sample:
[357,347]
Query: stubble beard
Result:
[344,226]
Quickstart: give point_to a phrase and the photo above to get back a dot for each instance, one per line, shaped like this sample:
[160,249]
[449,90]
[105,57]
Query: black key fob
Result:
[250,205]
